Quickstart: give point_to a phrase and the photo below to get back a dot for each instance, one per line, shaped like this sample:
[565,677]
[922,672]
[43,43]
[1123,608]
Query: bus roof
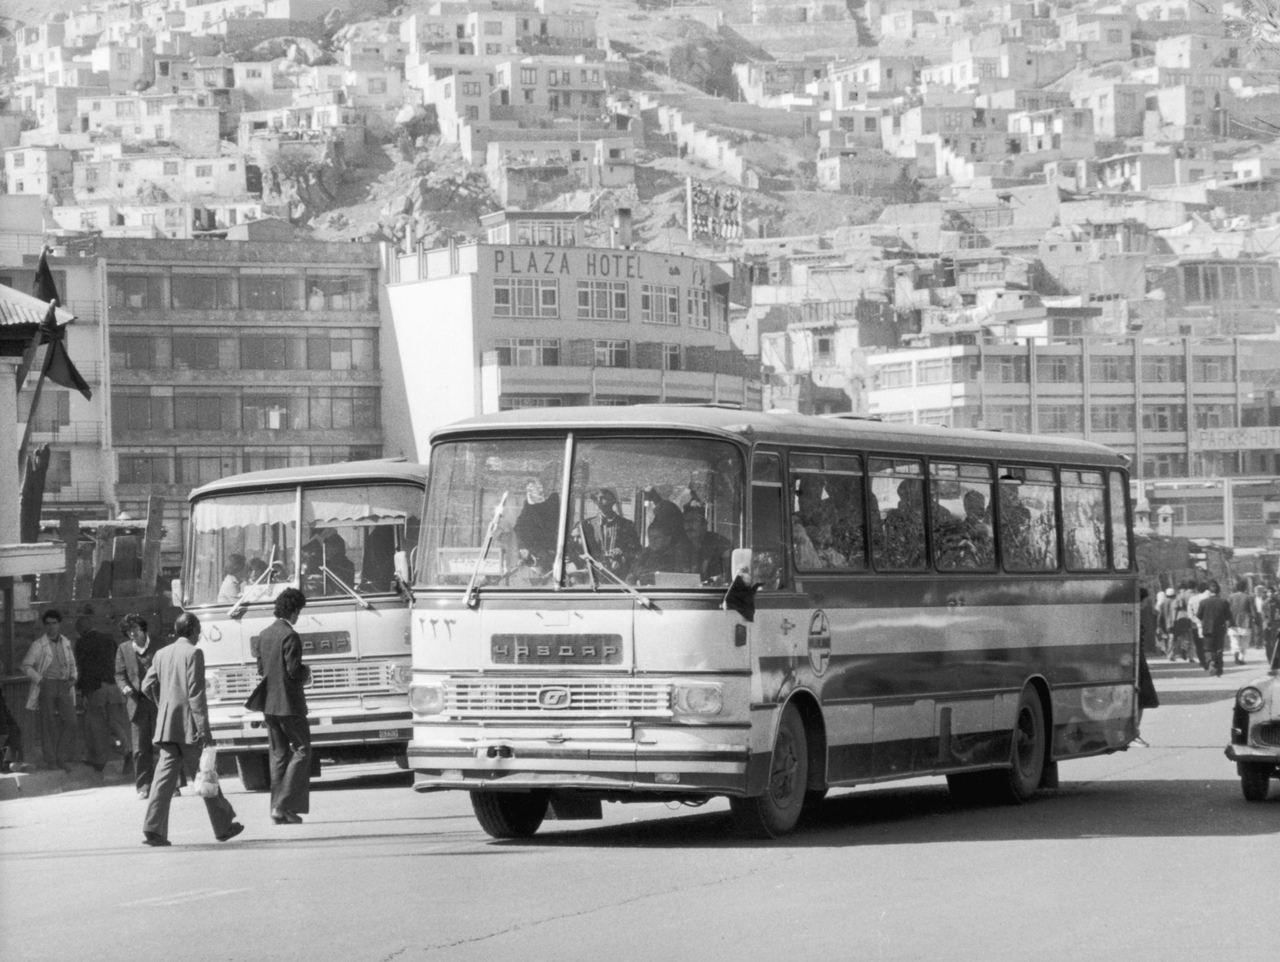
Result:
[348,471]
[784,427]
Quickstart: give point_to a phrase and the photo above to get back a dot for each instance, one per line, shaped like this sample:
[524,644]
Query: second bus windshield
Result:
[649,511]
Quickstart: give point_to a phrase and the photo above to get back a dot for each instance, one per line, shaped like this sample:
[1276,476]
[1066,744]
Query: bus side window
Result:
[768,547]
[1027,507]
[1120,525]
[897,514]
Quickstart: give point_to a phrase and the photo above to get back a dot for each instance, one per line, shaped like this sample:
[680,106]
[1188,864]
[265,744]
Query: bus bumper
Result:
[329,728]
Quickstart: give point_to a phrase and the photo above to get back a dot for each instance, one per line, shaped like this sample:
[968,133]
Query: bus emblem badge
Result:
[819,643]
[553,698]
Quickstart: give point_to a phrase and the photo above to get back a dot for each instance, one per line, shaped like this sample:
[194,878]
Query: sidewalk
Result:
[42,782]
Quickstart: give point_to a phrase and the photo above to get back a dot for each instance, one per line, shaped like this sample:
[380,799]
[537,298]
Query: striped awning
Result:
[18,309]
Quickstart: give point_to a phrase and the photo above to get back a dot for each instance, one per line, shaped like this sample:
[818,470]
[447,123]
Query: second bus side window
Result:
[897,514]
[828,531]
[960,513]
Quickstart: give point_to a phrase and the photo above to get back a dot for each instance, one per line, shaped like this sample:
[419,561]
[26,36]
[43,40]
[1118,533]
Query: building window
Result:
[471,88]
[204,170]
[660,304]
[195,353]
[1164,466]
[1164,369]
[144,469]
[936,371]
[19,159]
[602,300]
[199,412]
[202,292]
[270,292]
[1006,369]
[609,353]
[1209,369]
[1014,418]
[141,412]
[698,304]
[1164,417]
[136,291]
[271,352]
[1215,415]
[1061,419]
[493,28]
[88,220]
[344,408]
[1059,370]
[171,168]
[510,402]
[1110,369]
[339,291]
[526,297]
[1115,37]
[528,351]
[267,413]
[672,359]
[1111,418]
[339,349]
[194,470]
[938,417]
[528,75]
[893,375]
[377,85]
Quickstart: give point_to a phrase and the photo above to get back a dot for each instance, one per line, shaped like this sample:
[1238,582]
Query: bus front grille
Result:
[236,684]
[548,698]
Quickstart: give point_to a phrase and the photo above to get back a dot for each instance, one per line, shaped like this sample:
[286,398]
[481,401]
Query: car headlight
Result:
[697,699]
[1249,698]
[401,677]
[427,699]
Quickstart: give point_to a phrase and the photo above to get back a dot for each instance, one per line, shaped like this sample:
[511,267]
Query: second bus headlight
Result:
[697,699]
[426,699]
[400,678]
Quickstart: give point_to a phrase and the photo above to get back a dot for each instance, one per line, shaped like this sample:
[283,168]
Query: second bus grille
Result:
[549,698]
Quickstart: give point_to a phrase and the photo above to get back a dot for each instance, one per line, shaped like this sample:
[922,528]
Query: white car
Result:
[1255,732]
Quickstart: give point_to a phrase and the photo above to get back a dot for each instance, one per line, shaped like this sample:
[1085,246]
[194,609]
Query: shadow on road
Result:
[925,815]
[335,779]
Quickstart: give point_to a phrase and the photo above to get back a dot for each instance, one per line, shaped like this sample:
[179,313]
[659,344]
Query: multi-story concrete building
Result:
[229,356]
[37,171]
[527,318]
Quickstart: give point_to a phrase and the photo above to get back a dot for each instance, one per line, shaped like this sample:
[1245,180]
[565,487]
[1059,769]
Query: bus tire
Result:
[776,812]
[1255,782]
[1029,751]
[255,774]
[509,814]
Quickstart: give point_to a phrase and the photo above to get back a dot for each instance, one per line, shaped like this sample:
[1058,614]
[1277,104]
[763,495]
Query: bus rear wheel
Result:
[1029,751]
[776,812]
[509,814]
[255,774]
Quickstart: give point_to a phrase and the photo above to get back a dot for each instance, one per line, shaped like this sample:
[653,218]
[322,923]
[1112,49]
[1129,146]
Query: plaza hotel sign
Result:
[1237,439]
[598,263]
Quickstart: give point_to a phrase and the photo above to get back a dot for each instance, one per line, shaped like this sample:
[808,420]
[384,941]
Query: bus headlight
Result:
[213,684]
[697,699]
[400,678]
[426,699]
[1250,699]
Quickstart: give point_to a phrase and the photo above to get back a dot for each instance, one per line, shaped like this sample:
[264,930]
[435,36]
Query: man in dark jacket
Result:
[133,659]
[104,715]
[285,711]
[1215,618]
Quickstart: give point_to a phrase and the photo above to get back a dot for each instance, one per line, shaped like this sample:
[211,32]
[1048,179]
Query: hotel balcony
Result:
[639,385]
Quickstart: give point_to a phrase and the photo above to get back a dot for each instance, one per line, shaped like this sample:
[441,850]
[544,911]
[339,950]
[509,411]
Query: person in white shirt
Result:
[50,663]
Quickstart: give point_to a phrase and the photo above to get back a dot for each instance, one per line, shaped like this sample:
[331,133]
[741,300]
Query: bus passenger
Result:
[902,530]
[232,580]
[537,526]
[711,551]
[666,553]
[611,538]
[336,560]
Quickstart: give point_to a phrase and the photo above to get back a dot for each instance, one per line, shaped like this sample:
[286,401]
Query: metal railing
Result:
[77,432]
[89,492]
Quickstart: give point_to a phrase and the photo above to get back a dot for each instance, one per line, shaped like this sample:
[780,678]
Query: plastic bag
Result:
[205,784]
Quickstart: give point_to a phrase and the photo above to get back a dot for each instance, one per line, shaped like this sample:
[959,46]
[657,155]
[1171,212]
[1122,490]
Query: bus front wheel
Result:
[776,812]
[509,814]
[255,774]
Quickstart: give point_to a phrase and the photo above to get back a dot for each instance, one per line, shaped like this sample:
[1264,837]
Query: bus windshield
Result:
[641,511]
[244,544]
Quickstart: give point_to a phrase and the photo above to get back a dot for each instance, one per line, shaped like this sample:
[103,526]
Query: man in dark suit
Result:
[175,682]
[285,713]
[133,660]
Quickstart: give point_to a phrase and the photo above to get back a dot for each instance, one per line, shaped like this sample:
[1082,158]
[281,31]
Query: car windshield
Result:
[640,511]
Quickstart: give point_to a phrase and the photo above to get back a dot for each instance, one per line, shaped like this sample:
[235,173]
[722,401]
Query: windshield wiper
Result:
[347,588]
[471,597]
[596,566]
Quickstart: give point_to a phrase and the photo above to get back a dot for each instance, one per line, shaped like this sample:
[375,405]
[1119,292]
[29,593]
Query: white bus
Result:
[930,602]
[336,532]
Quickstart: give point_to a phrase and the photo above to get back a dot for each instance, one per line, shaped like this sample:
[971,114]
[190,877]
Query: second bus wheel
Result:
[509,814]
[776,812]
[255,773]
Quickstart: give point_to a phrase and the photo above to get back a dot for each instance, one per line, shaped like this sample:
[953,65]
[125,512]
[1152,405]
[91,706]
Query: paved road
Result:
[1148,854]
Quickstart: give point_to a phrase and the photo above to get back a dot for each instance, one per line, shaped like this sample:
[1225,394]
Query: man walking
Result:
[104,710]
[175,682]
[1214,615]
[50,663]
[133,660]
[285,713]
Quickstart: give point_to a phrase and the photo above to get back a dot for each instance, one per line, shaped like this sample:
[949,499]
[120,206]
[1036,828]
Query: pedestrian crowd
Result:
[1195,621]
[146,699]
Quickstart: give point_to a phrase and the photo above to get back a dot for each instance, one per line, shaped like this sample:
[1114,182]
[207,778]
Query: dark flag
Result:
[59,369]
[43,287]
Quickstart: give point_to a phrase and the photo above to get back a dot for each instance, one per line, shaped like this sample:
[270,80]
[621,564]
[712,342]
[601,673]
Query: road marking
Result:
[182,897]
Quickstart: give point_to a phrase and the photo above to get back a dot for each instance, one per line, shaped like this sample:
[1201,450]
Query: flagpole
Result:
[31,418]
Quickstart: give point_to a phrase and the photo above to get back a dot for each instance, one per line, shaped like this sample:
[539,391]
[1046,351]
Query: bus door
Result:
[779,639]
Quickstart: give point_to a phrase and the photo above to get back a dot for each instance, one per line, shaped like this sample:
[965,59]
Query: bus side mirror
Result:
[402,567]
[740,563]
[175,589]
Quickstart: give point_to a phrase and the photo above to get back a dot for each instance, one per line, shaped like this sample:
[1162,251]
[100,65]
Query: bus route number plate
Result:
[388,732]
